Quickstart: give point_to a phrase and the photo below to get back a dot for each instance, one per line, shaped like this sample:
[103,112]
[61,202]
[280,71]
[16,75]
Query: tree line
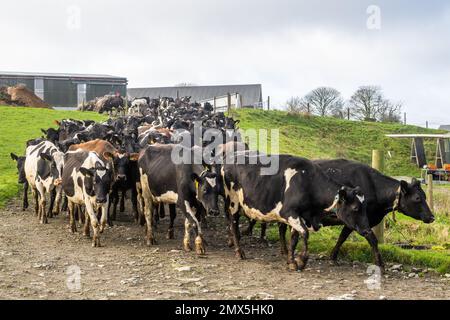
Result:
[367,103]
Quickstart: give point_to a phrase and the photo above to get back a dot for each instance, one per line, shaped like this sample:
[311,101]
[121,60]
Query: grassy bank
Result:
[17,125]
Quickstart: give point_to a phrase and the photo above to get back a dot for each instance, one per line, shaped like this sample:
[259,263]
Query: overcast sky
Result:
[290,47]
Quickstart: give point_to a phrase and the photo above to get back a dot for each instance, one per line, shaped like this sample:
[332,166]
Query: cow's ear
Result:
[57,122]
[195,177]
[415,182]
[342,194]
[14,157]
[134,156]
[46,157]
[44,131]
[108,155]
[404,186]
[87,172]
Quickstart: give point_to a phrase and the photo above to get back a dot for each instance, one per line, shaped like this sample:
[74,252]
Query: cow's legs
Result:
[36,201]
[234,228]
[162,211]
[122,201]
[42,215]
[92,214]
[57,207]
[291,252]
[25,196]
[191,214]
[134,204]
[104,216]
[173,214]
[282,228]
[148,213]
[64,204]
[52,202]
[87,222]
[73,226]
[345,232]
[373,241]
[114,202]
[187,235]
[249,230]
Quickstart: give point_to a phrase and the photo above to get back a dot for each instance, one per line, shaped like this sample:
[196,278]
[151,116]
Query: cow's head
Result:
[98,181]
[20,163]
[412,201]
[51,134]
[207,190]
[55,162]
[350,208]
[122,164]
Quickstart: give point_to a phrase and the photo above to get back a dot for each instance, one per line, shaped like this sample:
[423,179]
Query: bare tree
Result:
[365,102]
[325,101]
[389,111]
[294,105]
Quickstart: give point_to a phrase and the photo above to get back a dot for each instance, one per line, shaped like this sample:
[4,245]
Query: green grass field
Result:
[17,125]
[311,137]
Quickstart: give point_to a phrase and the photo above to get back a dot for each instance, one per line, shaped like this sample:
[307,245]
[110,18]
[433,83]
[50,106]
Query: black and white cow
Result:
[43,170]
[20,163]
[190,186]
[297,194]
[87,180]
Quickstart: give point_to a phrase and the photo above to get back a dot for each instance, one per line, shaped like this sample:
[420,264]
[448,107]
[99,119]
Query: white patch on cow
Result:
[253,213]
[168,197]
[288,174]
[192,211]
[212,181]
[101,173]
[360,198]
[121,155]
[296,225]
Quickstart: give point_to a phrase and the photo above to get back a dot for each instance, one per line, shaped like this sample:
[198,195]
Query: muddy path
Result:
[44,261]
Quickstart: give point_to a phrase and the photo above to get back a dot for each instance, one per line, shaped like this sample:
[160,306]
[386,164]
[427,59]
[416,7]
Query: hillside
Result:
[319,137]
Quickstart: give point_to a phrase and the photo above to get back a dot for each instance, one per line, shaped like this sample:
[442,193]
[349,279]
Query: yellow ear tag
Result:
[196,185]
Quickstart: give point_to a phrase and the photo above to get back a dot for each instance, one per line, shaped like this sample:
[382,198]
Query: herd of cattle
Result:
[87,168]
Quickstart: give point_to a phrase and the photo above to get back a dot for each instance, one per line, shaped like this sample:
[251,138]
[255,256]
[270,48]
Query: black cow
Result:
[190,186]
[20,162]
[127,175]
[298,193]
[383,194]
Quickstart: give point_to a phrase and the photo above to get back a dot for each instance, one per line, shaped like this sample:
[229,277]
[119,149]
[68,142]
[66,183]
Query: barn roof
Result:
[7,74]
[445,127]
[250,93]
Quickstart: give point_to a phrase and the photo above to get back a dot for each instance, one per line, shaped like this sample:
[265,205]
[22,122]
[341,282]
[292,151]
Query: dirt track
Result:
[34,260]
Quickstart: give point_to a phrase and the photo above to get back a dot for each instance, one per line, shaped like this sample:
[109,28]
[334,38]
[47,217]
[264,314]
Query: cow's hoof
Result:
[170,234]
[73,229]
[239,253]
[293,266]
[283,251]
[151,242]
[247,232]
[187,246]
[87,234]
[199,246]
[230,242]
[301,262]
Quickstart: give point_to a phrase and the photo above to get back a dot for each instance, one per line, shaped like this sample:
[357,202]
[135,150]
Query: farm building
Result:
[245,95]
[64,89]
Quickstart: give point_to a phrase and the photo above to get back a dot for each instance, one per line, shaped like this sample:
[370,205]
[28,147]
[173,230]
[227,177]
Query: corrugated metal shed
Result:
[71,76]
[251,93]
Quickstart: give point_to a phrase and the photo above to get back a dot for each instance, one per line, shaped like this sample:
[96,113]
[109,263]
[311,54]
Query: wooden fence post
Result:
[430,191]
[268,102]
[378,164]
